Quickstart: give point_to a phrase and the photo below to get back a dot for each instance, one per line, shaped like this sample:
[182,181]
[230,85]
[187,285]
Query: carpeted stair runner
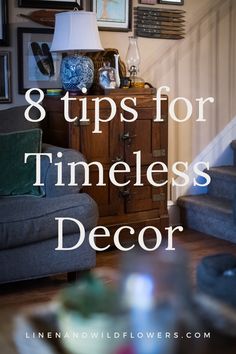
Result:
[214,213]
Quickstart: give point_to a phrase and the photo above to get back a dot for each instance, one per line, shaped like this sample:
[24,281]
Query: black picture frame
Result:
[33,71]
[115,26]
[4,23]
[5,74]
[51,4]
[171,2]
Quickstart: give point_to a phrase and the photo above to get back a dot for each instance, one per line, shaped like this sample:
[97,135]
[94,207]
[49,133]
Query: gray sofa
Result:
[28,230]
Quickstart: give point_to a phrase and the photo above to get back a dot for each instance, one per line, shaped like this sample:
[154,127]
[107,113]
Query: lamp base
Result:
[77,72]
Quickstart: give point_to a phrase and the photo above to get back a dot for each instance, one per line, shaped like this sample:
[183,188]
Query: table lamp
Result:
[76,32]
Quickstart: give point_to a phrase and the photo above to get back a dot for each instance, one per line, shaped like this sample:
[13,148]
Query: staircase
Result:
[214,213]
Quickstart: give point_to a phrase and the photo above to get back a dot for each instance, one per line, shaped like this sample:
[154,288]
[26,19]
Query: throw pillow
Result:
[17,177]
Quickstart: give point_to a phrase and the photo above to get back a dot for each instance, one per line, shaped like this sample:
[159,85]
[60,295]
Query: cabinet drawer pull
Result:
[127,136]
[124,193]
[78,122]
[84,123]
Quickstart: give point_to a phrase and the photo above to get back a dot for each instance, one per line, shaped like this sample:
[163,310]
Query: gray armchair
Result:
[28,229]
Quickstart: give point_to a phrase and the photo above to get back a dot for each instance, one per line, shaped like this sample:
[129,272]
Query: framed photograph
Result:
[3,23]
[5,74]
[113,15]
[51,4]
[171,2]
[37,66]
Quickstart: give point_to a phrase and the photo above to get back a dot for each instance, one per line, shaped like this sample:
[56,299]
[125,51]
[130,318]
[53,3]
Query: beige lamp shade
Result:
[76,31]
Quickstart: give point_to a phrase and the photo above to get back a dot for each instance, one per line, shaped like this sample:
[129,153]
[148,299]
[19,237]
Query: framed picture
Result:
[51,4]
[37,66]
[3,23]
[5,74]
[113,15]
[171,2]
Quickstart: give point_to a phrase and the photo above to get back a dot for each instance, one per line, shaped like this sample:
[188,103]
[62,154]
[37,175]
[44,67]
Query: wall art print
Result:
[3,23]
[37,66]
[113,15]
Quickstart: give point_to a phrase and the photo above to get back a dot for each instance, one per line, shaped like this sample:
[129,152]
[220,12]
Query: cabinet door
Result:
[117,142]
[150,138]
[105,148]
[146,197]
[145,134]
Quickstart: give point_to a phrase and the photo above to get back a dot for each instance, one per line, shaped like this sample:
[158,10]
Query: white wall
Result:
[201,65]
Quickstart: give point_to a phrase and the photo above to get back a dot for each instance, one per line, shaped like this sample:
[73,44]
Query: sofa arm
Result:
[49,171]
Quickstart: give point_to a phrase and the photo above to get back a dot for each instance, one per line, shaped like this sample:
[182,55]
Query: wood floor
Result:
[17,298]
[24,293]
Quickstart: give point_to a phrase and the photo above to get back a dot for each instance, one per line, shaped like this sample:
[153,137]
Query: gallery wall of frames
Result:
[25,40]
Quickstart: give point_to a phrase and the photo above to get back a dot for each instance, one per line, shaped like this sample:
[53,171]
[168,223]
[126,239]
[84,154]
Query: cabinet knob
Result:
[124,193]
[118,159]
[127,137]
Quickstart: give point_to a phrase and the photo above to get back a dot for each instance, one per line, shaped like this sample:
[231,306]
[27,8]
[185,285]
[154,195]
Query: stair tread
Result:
[205,201]
[214,213]
[228,172]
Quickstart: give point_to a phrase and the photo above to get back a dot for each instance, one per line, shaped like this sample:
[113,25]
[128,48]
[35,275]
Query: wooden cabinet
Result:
[132,205]
[55,128]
